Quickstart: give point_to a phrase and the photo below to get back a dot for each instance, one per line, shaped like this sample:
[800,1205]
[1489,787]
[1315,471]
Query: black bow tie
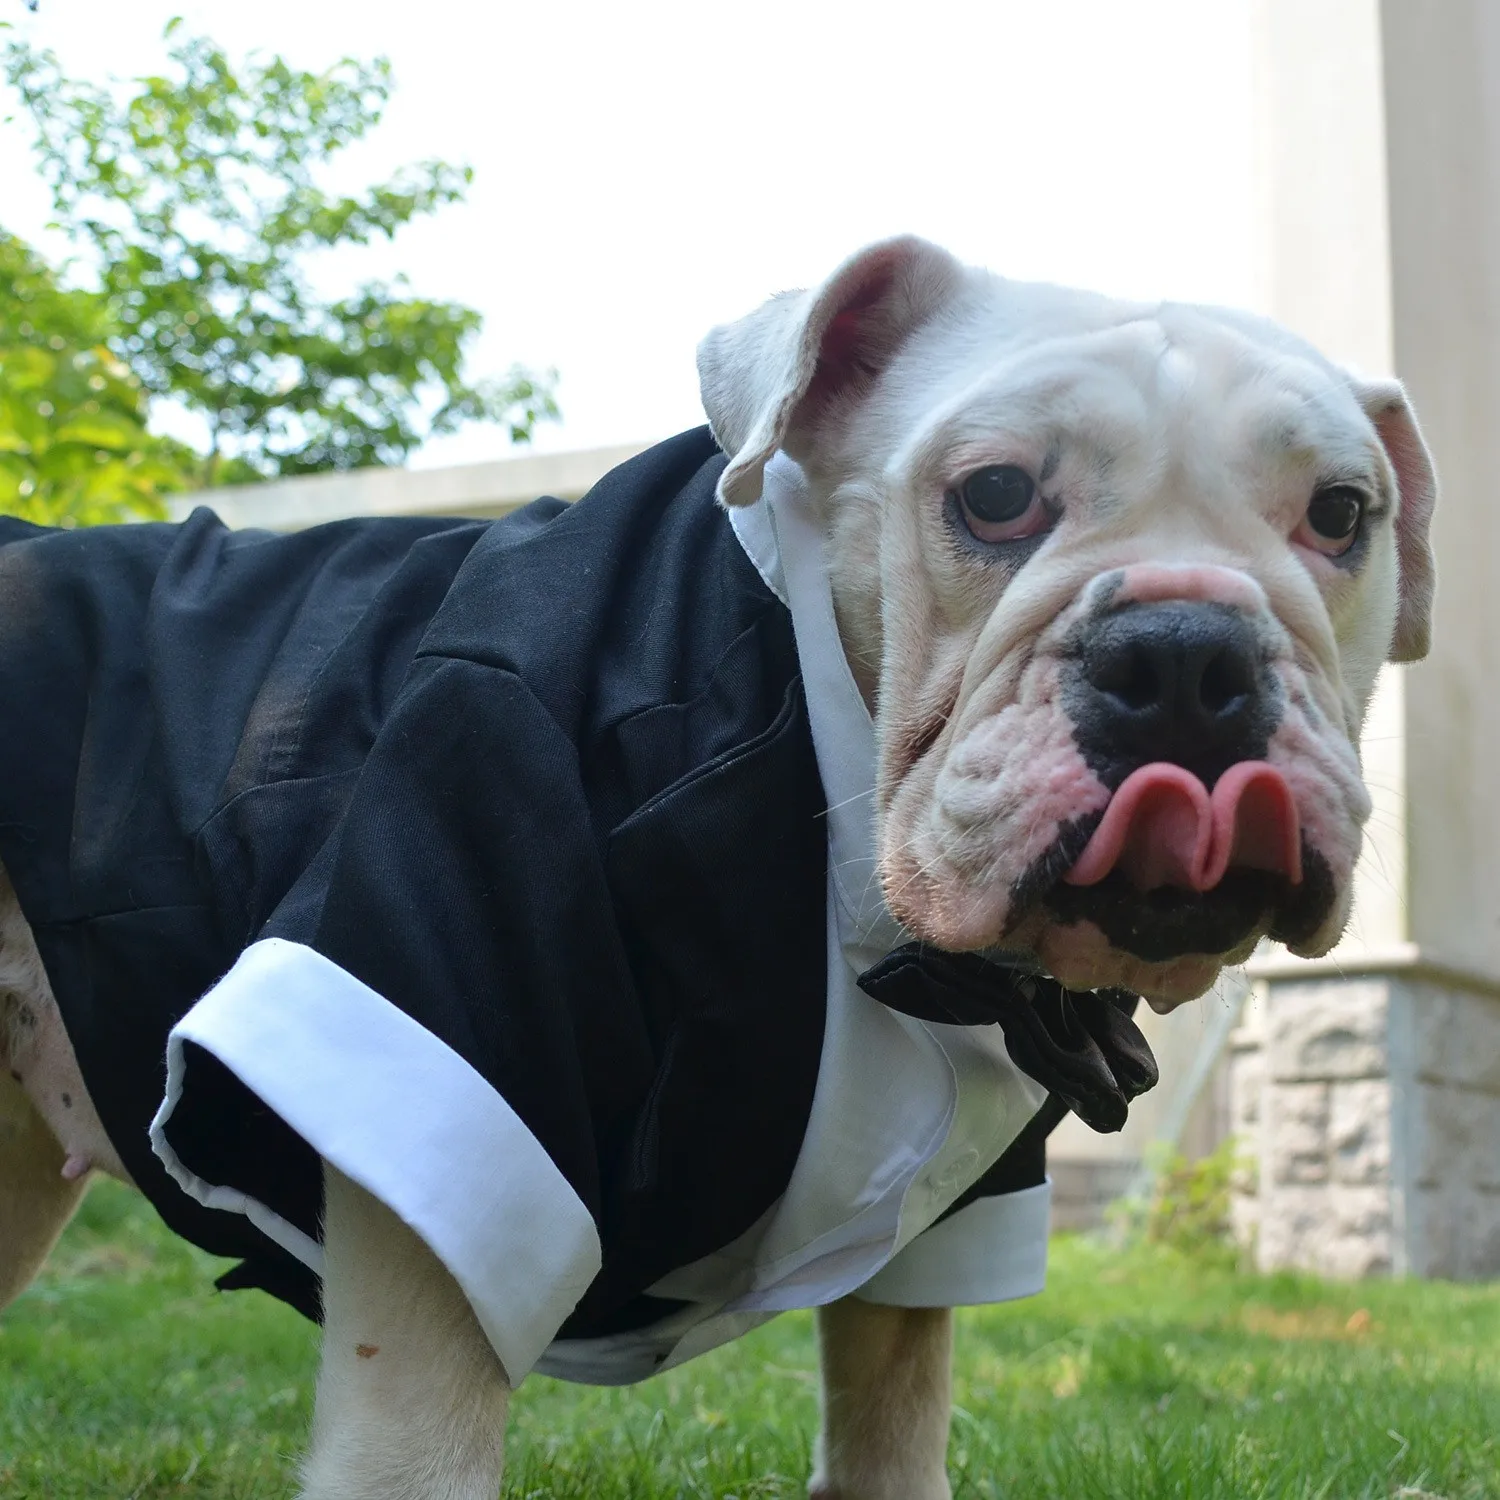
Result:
[1079,1044]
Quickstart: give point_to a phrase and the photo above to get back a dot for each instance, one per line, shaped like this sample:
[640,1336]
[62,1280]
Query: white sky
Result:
[646,170]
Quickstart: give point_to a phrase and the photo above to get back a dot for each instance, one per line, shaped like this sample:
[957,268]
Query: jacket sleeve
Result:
[411,1011]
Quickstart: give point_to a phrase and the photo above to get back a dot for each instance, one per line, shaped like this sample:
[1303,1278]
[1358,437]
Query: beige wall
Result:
[488,489]
[1369,1083]
[1325,271]
[1378,185]
[1443,102]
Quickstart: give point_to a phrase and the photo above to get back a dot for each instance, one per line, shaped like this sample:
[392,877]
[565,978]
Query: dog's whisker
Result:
[847,802]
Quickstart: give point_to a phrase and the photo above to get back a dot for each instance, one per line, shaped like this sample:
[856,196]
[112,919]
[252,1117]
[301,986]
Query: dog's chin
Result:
[1076,951]
[1169,945]
[1080,956]
[1166,945]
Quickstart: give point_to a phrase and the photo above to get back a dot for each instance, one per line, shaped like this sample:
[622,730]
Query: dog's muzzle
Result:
[1181,682]
[1200,846]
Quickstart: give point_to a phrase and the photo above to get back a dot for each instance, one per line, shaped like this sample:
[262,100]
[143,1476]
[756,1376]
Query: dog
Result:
[1002,651]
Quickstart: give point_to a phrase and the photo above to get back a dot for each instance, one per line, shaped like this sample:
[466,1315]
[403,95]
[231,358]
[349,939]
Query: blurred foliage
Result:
[73,441]
[1188,1206]
[193,198]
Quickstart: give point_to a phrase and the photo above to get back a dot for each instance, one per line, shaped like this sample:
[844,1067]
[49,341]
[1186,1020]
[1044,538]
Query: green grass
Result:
[122,1374]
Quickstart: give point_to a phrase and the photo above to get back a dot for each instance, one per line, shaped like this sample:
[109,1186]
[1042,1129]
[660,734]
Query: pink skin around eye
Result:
[1032,520]
[1324,546]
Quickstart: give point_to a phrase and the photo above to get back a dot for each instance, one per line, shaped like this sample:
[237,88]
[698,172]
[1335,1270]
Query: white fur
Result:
[411,1400]
[1184,439]
[887,1402]
[1178,441]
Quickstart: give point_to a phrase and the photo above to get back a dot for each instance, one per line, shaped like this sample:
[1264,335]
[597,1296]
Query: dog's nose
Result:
[1178,681]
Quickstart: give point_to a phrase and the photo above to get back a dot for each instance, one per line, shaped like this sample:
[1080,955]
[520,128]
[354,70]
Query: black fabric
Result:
[514,776]
[136,665]
[1082,1045]
[1024,1164]
[511,775]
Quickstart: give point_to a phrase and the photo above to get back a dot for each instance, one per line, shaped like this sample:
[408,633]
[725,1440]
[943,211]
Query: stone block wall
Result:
[1372,1106]
[1453,1118]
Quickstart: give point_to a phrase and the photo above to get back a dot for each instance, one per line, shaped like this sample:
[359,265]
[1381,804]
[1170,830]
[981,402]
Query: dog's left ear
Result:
[769,378]
[1385,404]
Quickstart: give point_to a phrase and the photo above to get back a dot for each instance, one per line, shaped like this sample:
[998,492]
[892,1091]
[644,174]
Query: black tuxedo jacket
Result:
[546,785]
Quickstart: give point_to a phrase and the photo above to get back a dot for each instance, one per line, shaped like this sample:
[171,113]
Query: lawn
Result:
[1146,1374]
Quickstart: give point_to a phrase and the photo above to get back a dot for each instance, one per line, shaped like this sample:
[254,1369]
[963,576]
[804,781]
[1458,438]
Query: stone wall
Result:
[1372,1105]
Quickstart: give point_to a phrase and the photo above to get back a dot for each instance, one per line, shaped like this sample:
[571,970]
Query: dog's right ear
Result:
[1386,405]
[769,378]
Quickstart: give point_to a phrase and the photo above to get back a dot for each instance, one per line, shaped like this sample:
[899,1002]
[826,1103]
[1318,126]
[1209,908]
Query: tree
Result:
[194,195]
[73,440]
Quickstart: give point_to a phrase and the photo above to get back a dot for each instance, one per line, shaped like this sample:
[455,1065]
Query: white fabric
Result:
[402,1114]
[993,1242]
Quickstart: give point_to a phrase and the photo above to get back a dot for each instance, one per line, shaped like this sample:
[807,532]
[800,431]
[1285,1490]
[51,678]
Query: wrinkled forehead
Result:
[1210,395]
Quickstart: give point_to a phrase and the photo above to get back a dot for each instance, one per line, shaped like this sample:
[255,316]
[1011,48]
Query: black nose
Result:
[1179,682]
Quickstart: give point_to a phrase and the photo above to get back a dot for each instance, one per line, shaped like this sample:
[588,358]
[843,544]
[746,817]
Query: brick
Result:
[1296,1133]
[1484,1157]
[1359,1131]
[1455,1233]
[1431,1233]
[1480,1236]
[1328,1029]
[1244,1218]
[1360,1241]
[1247,1074]
[1456,1037]
[1344,1232]
[1293,1222]
[1456,1136]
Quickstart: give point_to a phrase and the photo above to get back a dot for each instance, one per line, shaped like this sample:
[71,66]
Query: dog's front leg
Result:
[411,1400]
[887,1398]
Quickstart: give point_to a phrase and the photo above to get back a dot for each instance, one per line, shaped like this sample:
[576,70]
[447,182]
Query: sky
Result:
[645,171]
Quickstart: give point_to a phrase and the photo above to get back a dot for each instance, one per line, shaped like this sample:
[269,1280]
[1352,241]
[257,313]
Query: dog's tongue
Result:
[1163,827]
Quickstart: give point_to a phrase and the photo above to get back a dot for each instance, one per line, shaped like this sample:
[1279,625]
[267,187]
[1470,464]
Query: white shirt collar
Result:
[783,536]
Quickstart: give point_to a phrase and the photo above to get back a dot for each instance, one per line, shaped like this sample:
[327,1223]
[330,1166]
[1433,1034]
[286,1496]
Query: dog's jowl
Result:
[564,943]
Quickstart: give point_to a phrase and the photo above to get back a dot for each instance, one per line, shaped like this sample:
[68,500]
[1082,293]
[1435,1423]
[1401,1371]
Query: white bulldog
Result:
[1116,582]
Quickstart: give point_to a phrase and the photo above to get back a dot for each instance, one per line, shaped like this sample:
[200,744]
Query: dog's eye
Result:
[1331,525]
[998,494]
[1000,504]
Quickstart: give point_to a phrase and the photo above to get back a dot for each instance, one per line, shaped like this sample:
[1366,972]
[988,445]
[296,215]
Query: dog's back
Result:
[149,675]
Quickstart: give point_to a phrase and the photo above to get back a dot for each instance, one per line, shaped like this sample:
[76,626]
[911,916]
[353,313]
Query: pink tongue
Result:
[1162,827]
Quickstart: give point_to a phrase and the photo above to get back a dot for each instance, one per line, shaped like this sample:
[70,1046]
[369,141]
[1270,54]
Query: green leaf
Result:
[195,195]
[99,431]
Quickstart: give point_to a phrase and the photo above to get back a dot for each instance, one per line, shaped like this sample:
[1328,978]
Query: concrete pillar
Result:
[1369,1082]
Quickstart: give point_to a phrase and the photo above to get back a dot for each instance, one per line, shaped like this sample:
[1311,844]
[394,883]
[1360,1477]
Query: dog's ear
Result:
[1386,406]
[770,377]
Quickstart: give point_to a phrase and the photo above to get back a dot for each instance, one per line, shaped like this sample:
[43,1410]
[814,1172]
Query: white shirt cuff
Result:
[995,1250]
[399,1112]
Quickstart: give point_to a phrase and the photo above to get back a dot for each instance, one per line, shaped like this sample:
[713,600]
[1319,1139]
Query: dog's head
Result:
[1116,581]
